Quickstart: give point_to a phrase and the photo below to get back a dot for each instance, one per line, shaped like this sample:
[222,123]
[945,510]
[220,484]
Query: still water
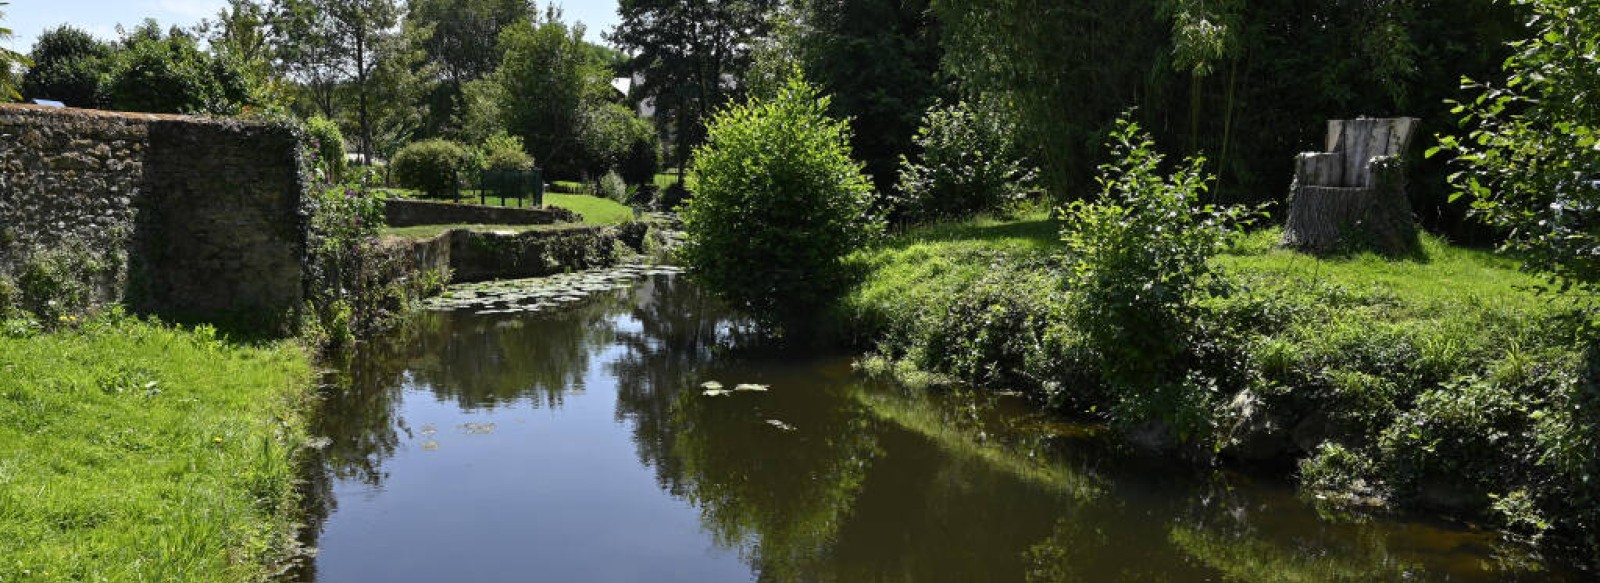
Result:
[579,445]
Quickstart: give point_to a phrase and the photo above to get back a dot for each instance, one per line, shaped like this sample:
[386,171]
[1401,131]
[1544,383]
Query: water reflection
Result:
[607,463]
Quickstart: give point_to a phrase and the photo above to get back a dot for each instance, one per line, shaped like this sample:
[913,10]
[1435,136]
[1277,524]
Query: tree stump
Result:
[1355,193]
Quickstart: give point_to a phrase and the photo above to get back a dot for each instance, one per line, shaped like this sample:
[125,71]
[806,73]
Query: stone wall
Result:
[408,213]
[175,215]
[477,255]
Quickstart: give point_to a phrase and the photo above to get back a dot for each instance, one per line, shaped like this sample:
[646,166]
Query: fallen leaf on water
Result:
[752,387]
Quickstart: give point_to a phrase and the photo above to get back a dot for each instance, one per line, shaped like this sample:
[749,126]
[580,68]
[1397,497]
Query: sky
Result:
[28,18]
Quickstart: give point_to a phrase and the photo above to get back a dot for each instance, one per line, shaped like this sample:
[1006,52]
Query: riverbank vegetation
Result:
[136,451]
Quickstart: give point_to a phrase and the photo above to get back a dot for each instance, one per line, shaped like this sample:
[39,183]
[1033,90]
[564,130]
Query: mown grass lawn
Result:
[137,452]
[593,209]
[431,231]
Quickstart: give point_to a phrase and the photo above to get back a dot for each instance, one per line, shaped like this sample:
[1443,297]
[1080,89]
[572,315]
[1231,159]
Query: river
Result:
[582,444]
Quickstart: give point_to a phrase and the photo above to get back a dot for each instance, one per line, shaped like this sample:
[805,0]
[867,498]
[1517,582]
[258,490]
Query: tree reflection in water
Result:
[828,478]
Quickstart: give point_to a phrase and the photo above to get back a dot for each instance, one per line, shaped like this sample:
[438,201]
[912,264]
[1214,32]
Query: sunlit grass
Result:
[431,231]
[135,452]
[593,209]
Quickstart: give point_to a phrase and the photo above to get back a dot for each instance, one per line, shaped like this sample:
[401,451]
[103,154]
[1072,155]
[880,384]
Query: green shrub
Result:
[432,166]
[612,187]
[778,202]
[642,160]
[354,283]
[1533,146]
[328,144]
[505,152]
[1140,259]
[969,164]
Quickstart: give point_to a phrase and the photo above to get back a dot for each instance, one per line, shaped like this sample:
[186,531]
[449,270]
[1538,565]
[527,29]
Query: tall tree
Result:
[880,61]
[692,55]
[9,61]
[334,42]
[459,38]
[545,81]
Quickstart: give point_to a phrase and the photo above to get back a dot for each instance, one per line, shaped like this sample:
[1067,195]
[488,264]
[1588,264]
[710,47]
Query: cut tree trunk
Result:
[1354,196]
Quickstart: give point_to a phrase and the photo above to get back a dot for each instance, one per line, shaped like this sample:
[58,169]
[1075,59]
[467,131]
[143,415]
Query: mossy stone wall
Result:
[181,216]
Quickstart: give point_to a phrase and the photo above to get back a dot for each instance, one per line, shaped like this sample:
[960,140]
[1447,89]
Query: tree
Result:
[243,33]
[1531,160]
[1248,83]
[880,59]
[69,66]
[169,73]
[543,90]
[778,202]
[331,42]
[691,54]
[9,61]
[459,38]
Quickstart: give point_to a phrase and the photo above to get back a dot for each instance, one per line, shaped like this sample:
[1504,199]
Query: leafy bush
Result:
[608,135]
[1140,264]
[328,143]
[1531,157]
[611,186]
[642,160]
[169,73]
[432,166]
[71,66]
[969,164]
[777,203]
[352,284]
[505,152]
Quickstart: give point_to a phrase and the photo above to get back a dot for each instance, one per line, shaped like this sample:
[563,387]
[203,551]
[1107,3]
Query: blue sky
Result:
[27,18]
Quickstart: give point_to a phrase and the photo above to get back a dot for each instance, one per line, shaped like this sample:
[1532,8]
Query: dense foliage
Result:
[543,92]
[69,66]
[504,152]
[687,51]
[880,60]
[435,167]
[327,142]
[9,60]
[1140,265]
[1531,162]
[968,162]
[149,70]
[777,203]
[1248,84]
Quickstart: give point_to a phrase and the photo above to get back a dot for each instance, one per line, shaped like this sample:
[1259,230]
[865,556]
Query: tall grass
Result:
[131,451]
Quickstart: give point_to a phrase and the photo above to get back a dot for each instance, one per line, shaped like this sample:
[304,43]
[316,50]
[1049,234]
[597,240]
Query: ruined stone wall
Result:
[68,185]
[175,215]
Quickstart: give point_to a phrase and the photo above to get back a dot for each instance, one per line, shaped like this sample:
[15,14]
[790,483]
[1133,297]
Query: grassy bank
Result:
[593,209]
[1441,380]
[137,452]
[431,231]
